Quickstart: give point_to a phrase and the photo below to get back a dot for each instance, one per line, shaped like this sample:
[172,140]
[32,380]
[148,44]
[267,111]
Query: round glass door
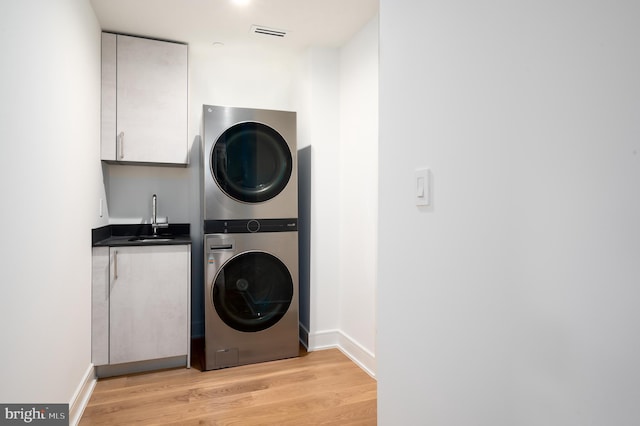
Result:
[252,291]
[251,162]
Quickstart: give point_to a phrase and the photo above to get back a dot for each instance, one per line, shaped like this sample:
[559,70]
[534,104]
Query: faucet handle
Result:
[162,222]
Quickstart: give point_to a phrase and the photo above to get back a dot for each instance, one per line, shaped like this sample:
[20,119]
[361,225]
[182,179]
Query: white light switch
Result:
[423,187]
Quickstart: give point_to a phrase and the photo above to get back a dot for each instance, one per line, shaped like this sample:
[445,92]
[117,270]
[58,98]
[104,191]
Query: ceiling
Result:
[317,23]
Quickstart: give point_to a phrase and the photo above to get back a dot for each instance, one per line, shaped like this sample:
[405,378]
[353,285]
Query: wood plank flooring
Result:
[321,387]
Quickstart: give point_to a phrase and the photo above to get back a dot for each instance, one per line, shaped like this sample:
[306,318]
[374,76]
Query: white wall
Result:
[51,184]
[250,76]
[512,300]
[337,110]
[318,116]
[358,186]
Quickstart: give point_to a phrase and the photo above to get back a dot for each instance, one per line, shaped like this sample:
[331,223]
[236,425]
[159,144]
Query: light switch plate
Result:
[422,184]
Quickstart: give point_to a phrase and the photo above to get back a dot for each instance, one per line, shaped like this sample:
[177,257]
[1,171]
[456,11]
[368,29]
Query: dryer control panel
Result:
[249,226]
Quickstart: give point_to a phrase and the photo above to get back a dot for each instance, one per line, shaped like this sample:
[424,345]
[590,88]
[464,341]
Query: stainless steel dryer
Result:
[249,163]
[251,291]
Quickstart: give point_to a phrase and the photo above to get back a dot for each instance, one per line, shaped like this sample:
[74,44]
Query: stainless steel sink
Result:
[152,238]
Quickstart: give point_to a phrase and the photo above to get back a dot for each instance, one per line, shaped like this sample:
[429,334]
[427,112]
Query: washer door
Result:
[252,291]
[251,162]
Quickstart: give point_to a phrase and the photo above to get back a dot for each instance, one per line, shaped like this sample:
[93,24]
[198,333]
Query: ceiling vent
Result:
[259,29]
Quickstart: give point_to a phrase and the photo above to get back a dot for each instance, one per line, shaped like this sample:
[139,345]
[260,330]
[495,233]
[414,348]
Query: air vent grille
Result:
[259,29]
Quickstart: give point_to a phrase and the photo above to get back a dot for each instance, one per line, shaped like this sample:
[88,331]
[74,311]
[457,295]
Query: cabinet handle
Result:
[115,265]
[121,143]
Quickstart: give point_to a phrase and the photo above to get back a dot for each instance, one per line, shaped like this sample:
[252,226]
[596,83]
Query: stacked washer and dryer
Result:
[250,236]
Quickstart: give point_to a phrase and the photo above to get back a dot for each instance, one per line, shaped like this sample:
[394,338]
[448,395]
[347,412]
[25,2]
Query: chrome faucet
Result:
[154,216]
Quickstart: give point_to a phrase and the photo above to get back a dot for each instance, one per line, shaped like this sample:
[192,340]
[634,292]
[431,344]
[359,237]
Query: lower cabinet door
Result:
[148,309]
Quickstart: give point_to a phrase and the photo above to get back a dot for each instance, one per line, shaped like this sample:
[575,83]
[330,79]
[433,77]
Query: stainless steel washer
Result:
[251,292]
[249,165]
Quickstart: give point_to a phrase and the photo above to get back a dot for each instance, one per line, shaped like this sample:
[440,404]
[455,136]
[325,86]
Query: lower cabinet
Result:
[141,300]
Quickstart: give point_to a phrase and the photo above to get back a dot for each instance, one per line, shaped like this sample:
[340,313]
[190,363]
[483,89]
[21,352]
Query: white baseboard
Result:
[82,395]
[358,354]
[337,339]
[324,339]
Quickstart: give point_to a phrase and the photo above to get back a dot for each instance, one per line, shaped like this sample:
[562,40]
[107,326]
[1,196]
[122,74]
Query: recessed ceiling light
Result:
[217,44]
[241,2]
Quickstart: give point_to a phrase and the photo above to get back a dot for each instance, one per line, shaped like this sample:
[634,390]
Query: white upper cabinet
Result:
[144,100]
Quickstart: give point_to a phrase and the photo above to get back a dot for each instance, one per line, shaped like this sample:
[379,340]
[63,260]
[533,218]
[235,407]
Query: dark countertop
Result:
[140,235]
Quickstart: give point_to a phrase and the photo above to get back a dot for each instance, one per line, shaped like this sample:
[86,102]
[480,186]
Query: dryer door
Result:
[251,162]
[252,291]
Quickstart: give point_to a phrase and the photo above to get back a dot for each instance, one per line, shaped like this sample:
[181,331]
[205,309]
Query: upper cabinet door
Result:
[108,101]
[150,100]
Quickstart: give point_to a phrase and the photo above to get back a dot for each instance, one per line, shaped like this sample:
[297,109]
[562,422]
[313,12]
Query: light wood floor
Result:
[321,387]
